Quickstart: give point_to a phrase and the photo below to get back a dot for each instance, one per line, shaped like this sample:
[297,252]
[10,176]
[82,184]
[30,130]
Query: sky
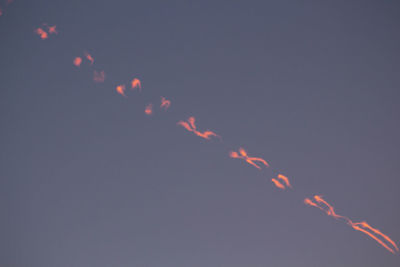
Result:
[88,179]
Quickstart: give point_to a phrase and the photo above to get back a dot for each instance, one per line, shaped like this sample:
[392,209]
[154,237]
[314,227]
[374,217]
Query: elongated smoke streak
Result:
[277,183]
[363,227]
[190,125]
[242,154]
[281,181]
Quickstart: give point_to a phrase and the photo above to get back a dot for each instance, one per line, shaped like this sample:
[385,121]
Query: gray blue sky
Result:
[87,179]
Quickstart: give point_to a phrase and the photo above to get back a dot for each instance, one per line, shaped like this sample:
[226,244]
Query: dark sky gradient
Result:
[88,180]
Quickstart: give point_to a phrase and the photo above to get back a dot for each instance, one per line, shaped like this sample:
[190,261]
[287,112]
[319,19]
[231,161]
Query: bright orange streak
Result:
[89,57]
[251,160]
[77,61]
[42,33]
[188,126]
[185,125]
[309,202]
[252,163]
[121,90]
[191,127]
[52,29]
[99,77]
[285,179]
[376,231]
[360,227]
[330,211]
[363,227]
[149,109]
[277,183]
[206,134]
[136,84]
[165,103]
[242,152]
[259,160]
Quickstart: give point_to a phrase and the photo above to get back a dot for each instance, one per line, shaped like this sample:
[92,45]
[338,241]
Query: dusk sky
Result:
[87,178]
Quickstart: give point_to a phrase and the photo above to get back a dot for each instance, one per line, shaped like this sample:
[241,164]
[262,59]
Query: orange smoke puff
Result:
[233,154]
[98,77]
[277,183]
[121,89]
[136,84]
[149,109]
[165,103]
[89,57]
[42,33]
[285,179]
[52,29]
[77,61]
